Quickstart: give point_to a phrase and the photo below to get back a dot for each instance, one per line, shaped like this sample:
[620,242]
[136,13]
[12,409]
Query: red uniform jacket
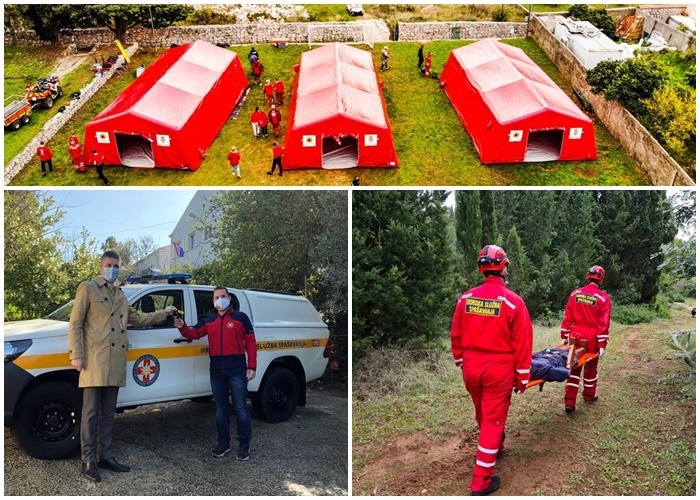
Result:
[492,320]
[229,335]
[275,117]
[257,67]
[277,151]
[73,139]
[267,89]
[44,153]
[97,158]
[262,119]
[234,158]
[587,316]
[75,150]
[279,87]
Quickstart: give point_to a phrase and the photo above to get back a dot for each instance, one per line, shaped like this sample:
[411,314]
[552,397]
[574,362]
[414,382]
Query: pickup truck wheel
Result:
[15,125]
[46,422]
[277,399]
[48,102]
[25,119]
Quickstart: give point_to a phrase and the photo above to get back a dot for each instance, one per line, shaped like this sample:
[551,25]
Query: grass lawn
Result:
[432,145]
[637,439]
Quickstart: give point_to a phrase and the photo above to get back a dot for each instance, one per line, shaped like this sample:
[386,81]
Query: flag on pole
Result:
[179,252]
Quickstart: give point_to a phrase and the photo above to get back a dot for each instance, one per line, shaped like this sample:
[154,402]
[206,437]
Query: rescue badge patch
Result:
[483,307]
[146,370]
[229,324]
[589,300]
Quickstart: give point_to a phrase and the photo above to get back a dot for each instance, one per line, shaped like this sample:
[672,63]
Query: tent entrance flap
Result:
[544,145]
[135,150]
[340,153]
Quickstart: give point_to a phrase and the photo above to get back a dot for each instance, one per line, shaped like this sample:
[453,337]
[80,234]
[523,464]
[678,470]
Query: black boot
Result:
[495,484]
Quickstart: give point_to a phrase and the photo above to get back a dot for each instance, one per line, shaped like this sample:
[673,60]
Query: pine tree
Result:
[468,228]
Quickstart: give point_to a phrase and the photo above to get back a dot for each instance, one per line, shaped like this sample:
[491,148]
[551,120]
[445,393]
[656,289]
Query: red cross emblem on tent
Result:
[146,370]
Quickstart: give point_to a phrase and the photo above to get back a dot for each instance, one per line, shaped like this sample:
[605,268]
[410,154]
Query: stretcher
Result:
[578,348]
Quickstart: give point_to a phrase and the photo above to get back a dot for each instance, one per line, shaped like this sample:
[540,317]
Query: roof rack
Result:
[150,278]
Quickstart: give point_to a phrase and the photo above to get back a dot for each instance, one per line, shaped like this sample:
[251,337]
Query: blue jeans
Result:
[231,381]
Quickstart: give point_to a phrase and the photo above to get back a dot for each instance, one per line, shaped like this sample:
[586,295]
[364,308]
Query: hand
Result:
[601,351]
[170,310]
[458,363]
[77,363]
[565,341]
[178,323]
[520,386]
[250,374]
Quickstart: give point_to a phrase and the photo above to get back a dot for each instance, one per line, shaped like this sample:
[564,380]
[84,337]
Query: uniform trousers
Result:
[97,421]
[590,377]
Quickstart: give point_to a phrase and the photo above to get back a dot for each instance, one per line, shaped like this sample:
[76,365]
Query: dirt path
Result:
[66,64]
[545,447]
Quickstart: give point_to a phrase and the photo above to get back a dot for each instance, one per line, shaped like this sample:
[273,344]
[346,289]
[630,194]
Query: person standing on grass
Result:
[420,57]
[75,150]
[269,91]
[587,316]
[262,123]
[258,70]
[385,59]
[255,122]
[232,363]
[277,154]
[98,161]
[279,91]
[234,160]
[492,343]
[45,157]
[275,118]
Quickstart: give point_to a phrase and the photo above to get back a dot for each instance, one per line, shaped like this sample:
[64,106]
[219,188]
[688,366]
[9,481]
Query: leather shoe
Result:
[90,471]
[113,465]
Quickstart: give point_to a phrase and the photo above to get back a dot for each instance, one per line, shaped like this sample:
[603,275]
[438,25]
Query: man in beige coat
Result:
[97,345]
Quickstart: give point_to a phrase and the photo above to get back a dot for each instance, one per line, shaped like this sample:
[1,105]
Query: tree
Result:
[630,81]
[34,281]
[489,227]
[120,17]
[404,276]
[598,17]
[81,264]
[468,232]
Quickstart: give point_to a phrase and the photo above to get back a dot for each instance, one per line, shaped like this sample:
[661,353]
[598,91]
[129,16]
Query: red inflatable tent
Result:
[338,117]
[512,110]
[171,114]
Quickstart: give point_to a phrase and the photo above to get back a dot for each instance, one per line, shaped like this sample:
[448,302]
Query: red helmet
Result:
[492,258]
[596,273]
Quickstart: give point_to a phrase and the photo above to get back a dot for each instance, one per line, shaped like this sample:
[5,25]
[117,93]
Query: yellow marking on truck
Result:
[276,345]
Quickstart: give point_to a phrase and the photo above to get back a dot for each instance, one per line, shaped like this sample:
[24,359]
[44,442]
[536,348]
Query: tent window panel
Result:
[340,153]
[135,150]
[544,145]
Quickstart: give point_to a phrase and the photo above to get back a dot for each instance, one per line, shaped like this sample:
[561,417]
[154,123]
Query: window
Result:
[155,301]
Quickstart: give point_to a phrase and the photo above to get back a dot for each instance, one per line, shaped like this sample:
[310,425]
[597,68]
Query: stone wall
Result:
[467,31]
[662,12]
[16,164]
[674,37]
[637,142]
[233,34]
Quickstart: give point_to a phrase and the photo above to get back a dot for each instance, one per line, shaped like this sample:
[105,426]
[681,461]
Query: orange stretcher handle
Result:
[583,359]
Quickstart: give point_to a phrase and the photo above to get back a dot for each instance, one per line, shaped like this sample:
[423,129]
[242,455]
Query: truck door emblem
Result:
[146,370]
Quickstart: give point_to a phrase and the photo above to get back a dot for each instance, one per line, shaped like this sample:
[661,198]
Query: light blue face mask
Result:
[222,303]
[110,274]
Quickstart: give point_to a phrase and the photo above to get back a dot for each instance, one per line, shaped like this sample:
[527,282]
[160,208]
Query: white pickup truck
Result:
[43,401]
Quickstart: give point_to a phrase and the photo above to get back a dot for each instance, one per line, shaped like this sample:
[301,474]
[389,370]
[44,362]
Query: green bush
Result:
[683,346]
[660,306]
[632,314]
[598,17]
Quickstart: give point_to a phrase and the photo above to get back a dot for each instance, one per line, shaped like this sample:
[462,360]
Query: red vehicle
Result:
[17,114]
[44,93]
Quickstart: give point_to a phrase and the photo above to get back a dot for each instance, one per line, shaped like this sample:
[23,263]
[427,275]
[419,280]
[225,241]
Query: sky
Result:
[122,213]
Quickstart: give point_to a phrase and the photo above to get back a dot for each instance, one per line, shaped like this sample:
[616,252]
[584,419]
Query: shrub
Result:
[598,17]
[632,314]
[683,346]
[499,16]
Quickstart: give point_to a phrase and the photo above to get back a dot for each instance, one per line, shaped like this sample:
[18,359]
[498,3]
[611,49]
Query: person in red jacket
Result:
[255,121]
[277,154]
[45,156]
[97,160]
[234,159]
[492,344]
[269,91]
[75,150]
[262,123]
[258,69]
[279,91]
[232,363]
[275,118]
[587,316]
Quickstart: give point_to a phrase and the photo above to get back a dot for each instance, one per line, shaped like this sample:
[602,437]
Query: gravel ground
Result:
[168,447]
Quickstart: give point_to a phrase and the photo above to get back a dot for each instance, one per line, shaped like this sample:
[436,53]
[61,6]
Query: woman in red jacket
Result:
[231,339]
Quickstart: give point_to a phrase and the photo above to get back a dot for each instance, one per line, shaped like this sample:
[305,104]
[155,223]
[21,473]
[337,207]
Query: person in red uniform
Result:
[275,118]
[428,63]
[232,363]
[97,159]
[587,316]
[255,121]
[492,343]
[269,91]
[75,150]
[258,70]
[279,91]
[234,160]
[45,157]
[277,154]
[262,123]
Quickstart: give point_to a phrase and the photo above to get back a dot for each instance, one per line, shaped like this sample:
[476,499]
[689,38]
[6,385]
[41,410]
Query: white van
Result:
[42,398]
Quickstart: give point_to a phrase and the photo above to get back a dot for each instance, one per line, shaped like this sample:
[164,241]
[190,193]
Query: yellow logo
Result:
[483,307]
[589,300]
